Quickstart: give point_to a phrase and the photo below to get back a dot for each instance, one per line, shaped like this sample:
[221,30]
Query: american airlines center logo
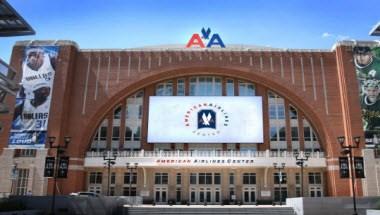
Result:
[207,115]
[205,119]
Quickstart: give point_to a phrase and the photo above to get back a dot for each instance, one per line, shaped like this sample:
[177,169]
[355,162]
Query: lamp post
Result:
[279,168]
[348,150]
[60,150]
[110,161]
[14,175]
[130,168]
[300,161]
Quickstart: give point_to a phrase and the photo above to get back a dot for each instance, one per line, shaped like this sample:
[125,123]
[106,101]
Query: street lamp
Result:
[130,168]
[60,150]
[300,161]
[348,150]
[279,168]
[110,161]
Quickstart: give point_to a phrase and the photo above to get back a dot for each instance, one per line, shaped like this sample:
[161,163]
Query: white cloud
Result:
[326,34]
[336,37]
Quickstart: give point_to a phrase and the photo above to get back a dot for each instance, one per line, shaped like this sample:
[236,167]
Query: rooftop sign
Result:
[199,41]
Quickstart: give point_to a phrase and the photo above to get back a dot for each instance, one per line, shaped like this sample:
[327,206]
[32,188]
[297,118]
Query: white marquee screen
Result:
[204,119]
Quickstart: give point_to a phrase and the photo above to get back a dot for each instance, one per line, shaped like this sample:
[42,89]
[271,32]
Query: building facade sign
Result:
[31,115]
[204,161]
[205,38]
[367,65]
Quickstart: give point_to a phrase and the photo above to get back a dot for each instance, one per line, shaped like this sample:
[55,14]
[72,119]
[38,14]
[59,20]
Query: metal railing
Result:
[196,153]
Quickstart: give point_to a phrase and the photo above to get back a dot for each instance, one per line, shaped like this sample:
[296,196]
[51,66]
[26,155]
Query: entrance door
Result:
[204,195]
[315,191]
[249,195]
[161,195]
[217,195]
[193,195]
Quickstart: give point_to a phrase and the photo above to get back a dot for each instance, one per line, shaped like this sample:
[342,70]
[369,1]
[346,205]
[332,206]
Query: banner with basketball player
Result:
[367,65]
[31,115]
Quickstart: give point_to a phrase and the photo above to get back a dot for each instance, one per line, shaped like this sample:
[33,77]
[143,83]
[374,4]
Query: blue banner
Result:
[31,115]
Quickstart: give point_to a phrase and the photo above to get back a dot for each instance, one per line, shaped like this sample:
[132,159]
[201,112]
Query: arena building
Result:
[105,101]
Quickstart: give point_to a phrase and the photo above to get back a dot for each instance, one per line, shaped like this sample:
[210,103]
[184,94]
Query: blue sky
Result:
[136,23]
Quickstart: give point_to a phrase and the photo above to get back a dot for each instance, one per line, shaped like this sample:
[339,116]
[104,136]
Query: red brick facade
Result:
[89,83]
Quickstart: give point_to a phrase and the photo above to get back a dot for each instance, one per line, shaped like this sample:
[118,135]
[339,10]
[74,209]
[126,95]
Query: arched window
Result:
[277,123]
[205,86]
[164,89]
[99,141]
[134,111]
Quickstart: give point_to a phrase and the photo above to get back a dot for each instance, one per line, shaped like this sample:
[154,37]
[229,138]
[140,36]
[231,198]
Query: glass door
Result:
[249,195]
[161,194]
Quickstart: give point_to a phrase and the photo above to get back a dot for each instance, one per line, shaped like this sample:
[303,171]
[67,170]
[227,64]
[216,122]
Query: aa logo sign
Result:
[199,41]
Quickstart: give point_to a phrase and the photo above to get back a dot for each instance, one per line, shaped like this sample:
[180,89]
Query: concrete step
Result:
[209,210]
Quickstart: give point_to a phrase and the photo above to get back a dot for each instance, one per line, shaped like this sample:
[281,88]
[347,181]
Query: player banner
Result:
[31,115]
[367,65]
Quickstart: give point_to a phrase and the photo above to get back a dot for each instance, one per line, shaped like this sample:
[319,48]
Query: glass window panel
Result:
[295,134]
[201,178]
[208,178]
[298,178]
[193,178]
[276,177]
[164,89]
[157,178]
[117,113]
[232,178]
[252,178]
[306,133]
[246,89]
[193,88]
[318,178]
[293,113]
[205,86]
[178,195]
[245,178]
[137,134]
[282,134]
[113,178]
[134,112]
[217,178]
[128,134]
[271,95]
[273,134]
[218,88]
[314,136]
[281,111]
[115,133]
[103,133]
[178,178]
[180,87]
[230,88]
[272,111]
[311,178]
[165,178]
